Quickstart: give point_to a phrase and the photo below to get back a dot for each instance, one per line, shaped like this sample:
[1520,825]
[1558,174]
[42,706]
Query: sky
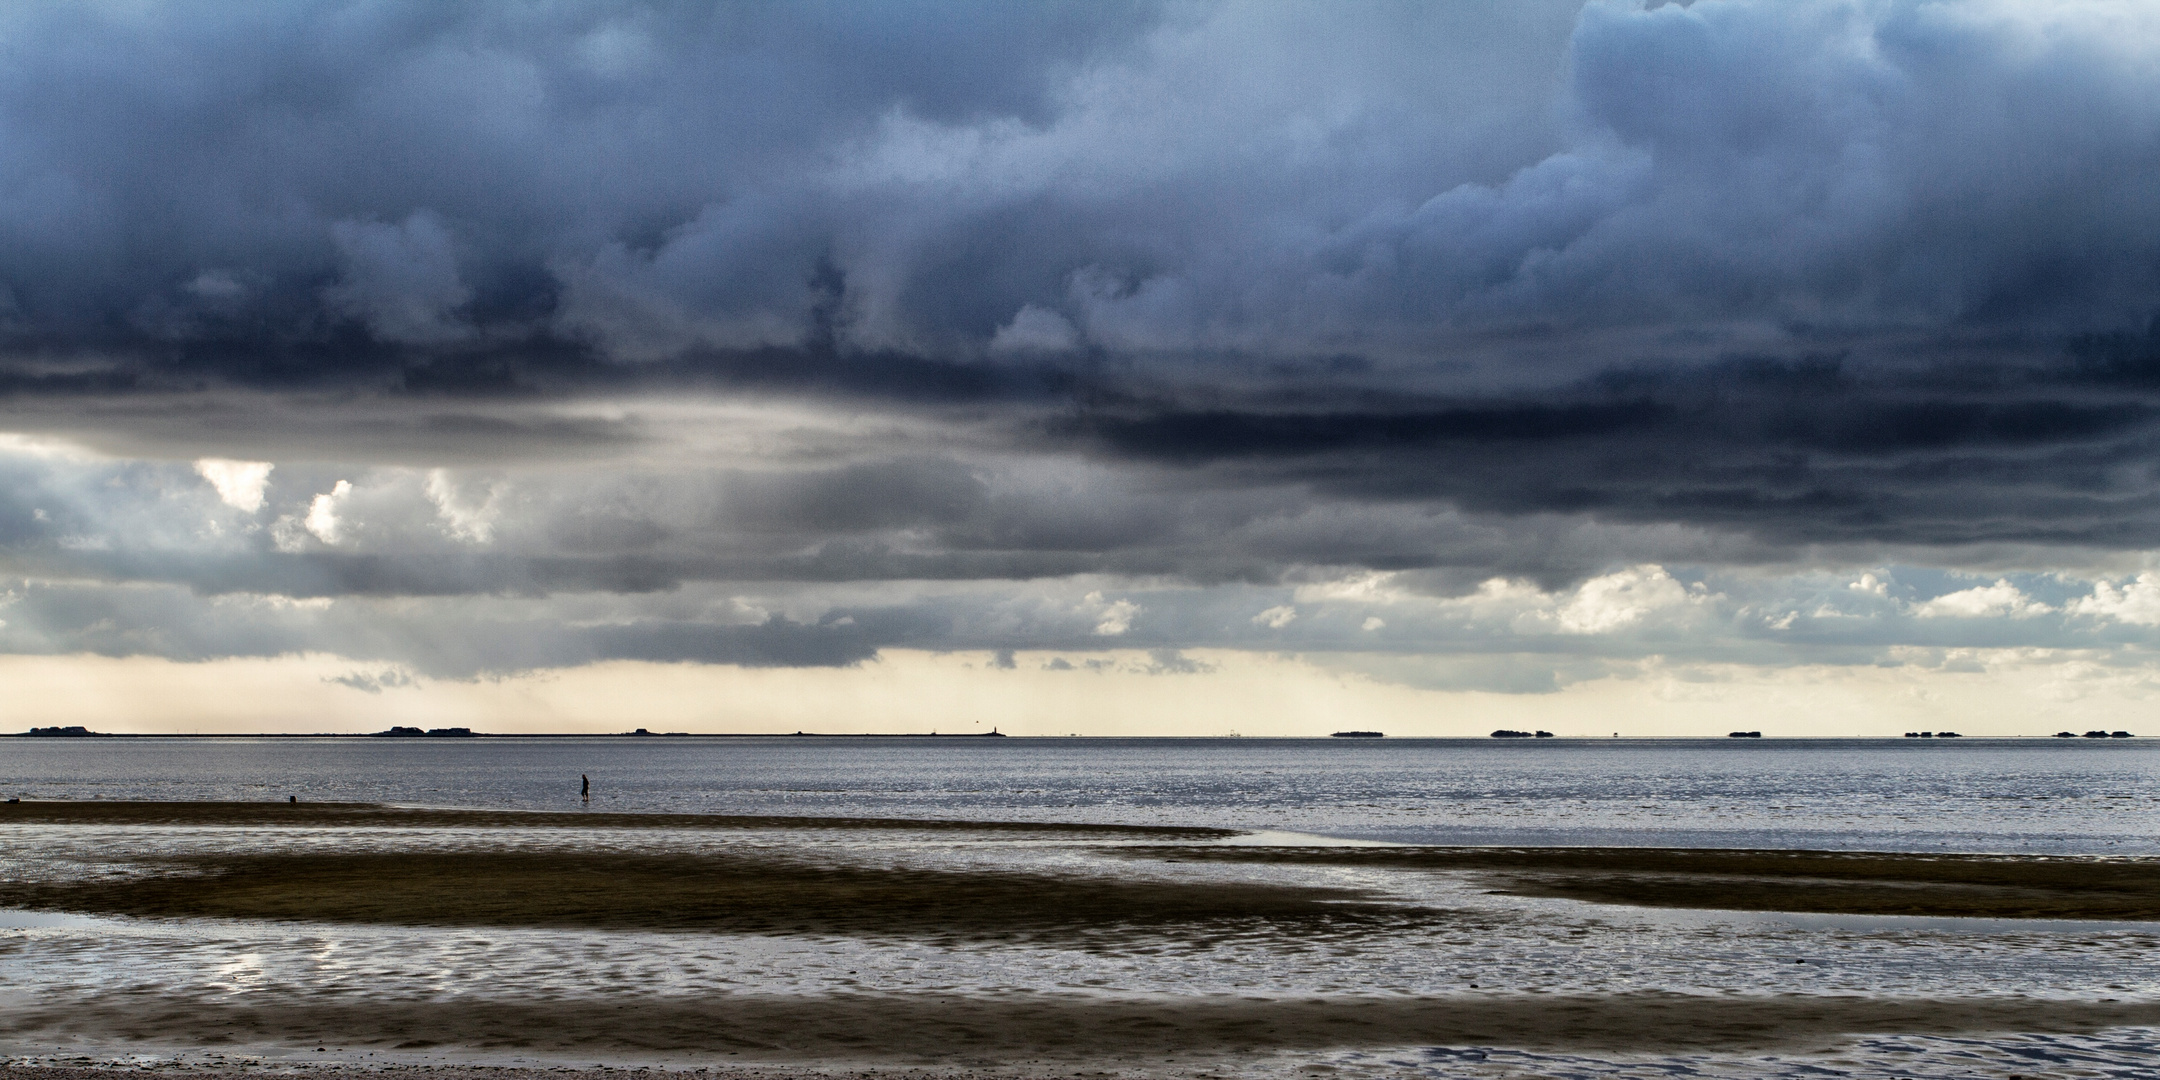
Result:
[1136,368]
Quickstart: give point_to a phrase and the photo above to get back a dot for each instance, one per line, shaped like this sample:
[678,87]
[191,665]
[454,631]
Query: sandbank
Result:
[765,891]
[1829,882]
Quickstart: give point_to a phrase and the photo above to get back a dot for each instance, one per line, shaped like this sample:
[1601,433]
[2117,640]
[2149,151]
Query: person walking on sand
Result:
[585,787]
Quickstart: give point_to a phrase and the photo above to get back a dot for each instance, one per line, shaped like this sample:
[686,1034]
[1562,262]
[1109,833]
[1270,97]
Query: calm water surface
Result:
[2000,795]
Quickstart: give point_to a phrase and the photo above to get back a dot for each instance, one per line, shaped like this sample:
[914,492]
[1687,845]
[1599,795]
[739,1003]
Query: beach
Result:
[229,936]
[1064,1033]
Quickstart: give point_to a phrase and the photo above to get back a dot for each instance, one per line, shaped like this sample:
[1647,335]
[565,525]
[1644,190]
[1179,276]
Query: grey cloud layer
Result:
[1186,306]
[1508,636]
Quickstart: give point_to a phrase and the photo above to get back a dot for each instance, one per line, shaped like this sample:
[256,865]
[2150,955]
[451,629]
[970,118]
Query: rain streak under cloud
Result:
[1490,349]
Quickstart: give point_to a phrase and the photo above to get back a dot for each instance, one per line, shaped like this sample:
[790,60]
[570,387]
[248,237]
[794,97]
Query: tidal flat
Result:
[762,889]
[258,932]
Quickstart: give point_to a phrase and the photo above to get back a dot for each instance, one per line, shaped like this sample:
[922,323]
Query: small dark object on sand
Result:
[292,798]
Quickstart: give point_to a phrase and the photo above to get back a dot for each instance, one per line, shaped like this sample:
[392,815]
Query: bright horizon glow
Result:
[905,692]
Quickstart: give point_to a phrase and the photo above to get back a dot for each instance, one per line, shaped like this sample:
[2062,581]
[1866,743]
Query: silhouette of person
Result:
[585,787]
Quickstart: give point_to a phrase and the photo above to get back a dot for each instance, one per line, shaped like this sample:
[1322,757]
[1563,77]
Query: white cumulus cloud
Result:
[2136,602]
[1983,602]
[1112,617]
[322,516]
[464,516]
[239,484]
[1621,599]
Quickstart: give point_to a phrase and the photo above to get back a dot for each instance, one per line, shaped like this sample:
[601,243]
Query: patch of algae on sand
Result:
[1831,882]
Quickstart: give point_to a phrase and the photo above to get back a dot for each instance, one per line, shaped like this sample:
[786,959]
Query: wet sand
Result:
[1828,882]
[935,1030]
[751,891]
[822,887]
[764,891]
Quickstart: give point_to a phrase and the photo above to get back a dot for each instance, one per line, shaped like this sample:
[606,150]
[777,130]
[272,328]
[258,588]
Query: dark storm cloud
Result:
[637,299]
[986,203]
[339,191]
[410,168]
[457,198]
[1790,453]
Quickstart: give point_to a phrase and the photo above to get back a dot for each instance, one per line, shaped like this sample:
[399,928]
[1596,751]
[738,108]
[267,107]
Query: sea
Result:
[2051,796]
[2073,796]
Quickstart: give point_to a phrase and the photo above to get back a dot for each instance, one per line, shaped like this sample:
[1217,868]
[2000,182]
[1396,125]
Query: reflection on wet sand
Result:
[262,928]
